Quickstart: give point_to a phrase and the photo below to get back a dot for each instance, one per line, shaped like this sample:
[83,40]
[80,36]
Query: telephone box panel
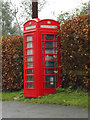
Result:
[41,57]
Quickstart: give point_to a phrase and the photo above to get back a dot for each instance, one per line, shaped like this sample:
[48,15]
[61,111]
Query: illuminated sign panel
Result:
[48,26]
[30,27]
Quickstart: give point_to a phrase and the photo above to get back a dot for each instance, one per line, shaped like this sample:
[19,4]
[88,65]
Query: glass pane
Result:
[49,71]
[49,78]
[43,57]
[29,71]
[29,65]
[56,51]
[29,58]
[50,85]
[49,37]
[49,44]
[29,38]
[29,85]
[42,44]
[29,51]
[43,78]
[49,64]
[49,50]
[43,71]
[56,44]
[49,57]
[43,50]
[56,78]
[42,37]
[29,78]
[56,37]
[43,64]
[43,85]
[56,64]
[56,84]
[29,44]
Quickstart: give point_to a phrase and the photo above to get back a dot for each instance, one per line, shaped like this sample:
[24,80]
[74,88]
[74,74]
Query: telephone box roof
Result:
[38,20]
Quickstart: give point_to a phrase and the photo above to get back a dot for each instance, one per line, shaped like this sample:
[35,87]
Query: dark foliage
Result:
[12,67]
[74,50]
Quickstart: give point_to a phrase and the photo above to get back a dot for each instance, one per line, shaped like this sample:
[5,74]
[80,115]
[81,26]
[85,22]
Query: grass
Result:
[0,95]
[60,97]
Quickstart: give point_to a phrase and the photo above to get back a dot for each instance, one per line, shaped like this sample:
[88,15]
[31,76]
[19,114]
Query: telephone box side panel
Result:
[24,58]
[30,89]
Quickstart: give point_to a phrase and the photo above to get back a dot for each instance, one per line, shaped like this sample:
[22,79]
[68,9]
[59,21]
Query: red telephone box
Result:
[41,50]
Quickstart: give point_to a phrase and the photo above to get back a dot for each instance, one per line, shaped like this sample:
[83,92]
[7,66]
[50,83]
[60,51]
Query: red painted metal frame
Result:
[37,32]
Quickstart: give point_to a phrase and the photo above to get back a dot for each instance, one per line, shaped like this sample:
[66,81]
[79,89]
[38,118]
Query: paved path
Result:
[29,110]
[0,110]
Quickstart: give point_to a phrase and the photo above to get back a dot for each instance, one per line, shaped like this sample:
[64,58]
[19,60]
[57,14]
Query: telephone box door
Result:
[49,57]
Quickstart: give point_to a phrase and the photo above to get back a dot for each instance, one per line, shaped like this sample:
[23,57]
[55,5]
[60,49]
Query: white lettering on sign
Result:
[48,26]
[30,27]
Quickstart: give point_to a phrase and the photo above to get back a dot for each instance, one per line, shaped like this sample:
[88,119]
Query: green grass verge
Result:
[60,97]
[0,95]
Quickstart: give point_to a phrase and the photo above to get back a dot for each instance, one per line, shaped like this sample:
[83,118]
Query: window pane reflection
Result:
[42,44]
[49,37]
[42,50]
[29,65]
[29,58]
[29,44]
[49,50]
[49,64]
[29,85]
[50,85]
[49,44]
[29,78]
[29,38]
[49,71]
[29,71]
[49,57]
[29,51]
[50,78]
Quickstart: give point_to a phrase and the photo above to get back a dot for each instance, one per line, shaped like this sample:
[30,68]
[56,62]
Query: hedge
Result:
[12,63]
[74,50]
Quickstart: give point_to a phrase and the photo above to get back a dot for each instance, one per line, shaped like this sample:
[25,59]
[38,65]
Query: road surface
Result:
[30,110]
